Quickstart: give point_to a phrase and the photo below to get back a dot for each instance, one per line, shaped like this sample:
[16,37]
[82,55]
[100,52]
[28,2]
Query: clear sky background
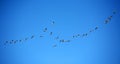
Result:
[23,18]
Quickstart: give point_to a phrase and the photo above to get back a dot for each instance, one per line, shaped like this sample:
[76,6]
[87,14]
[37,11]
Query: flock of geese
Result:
[58,38]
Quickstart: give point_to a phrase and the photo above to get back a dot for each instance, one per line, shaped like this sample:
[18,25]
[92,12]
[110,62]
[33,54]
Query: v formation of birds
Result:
[58,38]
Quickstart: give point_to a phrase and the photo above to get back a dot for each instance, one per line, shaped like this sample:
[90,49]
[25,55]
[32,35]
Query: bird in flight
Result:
[53,22]
[85,34]
[67,40]
[114,12]
[32,36]
[78,35]
[5,42]
[110,17]
[73,36]
[41,36]
[62,40]
[57,37]
[106,21]
[10,42]
[51,33]
[45,30]
[91,30]
[54,45]
[20,40]
[15,41]
[96,28]
[26,38]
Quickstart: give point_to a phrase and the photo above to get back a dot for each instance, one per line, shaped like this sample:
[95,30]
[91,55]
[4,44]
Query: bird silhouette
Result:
[91,30]
[110,17]
[106,21]
[53,22]
[96,28]
[85,34]
[54,45]
[45,30]
[51,33]
[67,41]
[10,42]
[15,42]
[57,37]
[62,40]
[6,42]
[20,40]
[114,12]
[73,36]
[41,36]
[78,34]
[32,36]
[26,38]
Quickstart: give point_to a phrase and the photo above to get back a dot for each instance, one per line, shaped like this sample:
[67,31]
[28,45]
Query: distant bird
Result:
[26,38]
[6,42]
[53,22]
[67,40]
[91,30]
[73,36]
[57,37]
[41,36]
[51,33]
[110,17]
[54,45]
[96,28]
[32,36]
[12,40]
[15,42]
[114,12]
[20,40]
[85,34]
[62,40]
[106,21]
[45,30]
[78,35]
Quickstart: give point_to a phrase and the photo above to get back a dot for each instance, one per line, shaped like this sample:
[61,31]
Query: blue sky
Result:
[20,19]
